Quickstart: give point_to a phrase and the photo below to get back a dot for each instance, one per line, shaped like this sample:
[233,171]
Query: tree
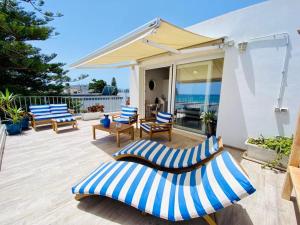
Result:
[114,86]
[23,68]
[97,85]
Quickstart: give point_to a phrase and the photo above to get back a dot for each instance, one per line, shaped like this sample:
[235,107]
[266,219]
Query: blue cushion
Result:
[128,111]
[58,108]
[52,116]
[163,117]
[65,119]
[39,110]
[146,127]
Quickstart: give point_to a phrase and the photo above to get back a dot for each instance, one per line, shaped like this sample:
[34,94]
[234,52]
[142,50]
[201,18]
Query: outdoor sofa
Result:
[53,114]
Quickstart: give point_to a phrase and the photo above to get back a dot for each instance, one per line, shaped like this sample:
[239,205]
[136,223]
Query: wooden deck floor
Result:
[39,169]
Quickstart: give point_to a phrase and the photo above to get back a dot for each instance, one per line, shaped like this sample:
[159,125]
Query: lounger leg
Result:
[287,187]
[209,220]
[78,197]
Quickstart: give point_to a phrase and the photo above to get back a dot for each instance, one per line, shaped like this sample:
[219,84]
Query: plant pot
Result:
[264,155]
[91,116]
[25,123]
[13,128]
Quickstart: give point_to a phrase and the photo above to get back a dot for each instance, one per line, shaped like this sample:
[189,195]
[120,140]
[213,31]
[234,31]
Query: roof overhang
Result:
[154,38]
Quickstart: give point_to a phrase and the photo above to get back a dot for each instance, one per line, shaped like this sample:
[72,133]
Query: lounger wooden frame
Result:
[210,219]
[173,170]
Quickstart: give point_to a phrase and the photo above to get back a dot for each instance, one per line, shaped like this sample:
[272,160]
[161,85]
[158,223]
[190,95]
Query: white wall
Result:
[251,80]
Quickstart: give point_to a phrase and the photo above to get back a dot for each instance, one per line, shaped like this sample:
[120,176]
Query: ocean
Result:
[213,99]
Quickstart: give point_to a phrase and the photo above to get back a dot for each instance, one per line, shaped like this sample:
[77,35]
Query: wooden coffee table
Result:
[124,128]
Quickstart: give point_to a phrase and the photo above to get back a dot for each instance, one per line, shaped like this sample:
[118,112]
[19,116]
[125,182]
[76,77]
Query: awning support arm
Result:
[160,46]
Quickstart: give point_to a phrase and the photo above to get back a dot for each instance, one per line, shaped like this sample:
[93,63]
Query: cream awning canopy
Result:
[153,38]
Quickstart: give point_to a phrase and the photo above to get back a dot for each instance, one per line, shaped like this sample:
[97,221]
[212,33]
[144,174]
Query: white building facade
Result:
[260,80]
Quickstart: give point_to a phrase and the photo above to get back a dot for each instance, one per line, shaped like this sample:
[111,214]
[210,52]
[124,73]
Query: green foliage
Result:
[8,108]
[208,117]
[97,85]
[23,68]
[15,114]
[282,146]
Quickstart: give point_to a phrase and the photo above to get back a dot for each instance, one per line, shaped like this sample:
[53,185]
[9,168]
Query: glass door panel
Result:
[197,95]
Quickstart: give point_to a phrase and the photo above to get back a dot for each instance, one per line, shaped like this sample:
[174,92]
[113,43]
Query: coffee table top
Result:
[112,128]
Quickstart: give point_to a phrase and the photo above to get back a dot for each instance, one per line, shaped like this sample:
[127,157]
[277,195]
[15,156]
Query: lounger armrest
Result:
[133,118]
[31,114]
[149,119]
[115,115]
[166,125]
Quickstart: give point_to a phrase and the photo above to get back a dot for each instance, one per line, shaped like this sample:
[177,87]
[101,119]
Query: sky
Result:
[90,24]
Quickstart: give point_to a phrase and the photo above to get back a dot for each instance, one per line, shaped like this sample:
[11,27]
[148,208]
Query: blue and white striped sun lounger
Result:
[164,157]
[198,193]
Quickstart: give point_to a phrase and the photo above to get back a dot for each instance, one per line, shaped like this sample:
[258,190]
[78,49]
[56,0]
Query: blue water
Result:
[213,99]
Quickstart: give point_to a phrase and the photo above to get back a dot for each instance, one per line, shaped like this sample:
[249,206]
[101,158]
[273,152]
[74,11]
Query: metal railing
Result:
[77,103]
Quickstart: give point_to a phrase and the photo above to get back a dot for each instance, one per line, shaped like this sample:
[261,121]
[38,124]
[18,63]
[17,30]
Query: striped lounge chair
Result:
[163,157]
[162,123]
[128,115]
[198,193]
[44,114]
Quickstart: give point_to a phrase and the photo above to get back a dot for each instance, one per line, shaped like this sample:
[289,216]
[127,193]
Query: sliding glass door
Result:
[197,95]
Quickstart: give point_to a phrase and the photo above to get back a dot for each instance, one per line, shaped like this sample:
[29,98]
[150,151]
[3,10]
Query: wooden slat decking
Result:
[39,169]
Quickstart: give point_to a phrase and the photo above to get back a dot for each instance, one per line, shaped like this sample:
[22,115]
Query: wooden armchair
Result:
[128,115]
[162,123]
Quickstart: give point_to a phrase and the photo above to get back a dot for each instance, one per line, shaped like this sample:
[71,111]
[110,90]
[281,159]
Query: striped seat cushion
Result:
[174,197]
[58,108]
[39,110]
[146,127]
[65,119]
[52,116]
[128,111]
[122,120]
[166,157]
[163,117]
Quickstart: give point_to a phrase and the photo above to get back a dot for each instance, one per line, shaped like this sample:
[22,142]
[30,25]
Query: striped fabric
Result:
[121,120]
[52,116]
[66,119]
[163,117]
[146,126]
[58,108]
[39,110]
[174,197]
[128,111]
[166,157]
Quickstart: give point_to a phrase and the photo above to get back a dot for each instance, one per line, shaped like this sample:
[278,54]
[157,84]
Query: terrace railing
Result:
[77,103]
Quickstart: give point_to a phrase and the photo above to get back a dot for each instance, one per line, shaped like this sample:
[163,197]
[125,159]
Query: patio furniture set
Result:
[173,184]
[54,114]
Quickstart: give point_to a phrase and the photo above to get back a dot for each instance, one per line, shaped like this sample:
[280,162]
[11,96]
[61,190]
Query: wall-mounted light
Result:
[298,31]
[242,46]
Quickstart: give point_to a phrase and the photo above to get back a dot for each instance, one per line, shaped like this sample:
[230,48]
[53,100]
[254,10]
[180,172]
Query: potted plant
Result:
[209,119]
[12,114]
[273,151]
[14,124]
[93,112]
